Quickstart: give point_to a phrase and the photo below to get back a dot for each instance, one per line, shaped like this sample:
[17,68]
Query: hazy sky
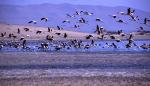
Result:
[139,4]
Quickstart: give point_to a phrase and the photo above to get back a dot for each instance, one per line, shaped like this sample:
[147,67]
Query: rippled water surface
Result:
[34,46]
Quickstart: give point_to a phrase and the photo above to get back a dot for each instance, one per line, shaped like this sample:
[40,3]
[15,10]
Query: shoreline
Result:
[31,34]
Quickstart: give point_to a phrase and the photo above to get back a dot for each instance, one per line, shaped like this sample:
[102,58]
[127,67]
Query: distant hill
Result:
[13,14]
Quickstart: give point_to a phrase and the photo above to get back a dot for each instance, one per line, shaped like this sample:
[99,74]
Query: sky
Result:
[138,4]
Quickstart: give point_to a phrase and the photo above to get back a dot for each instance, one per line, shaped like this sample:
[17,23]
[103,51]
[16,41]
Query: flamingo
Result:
[76,26]
[33,21]
[26,29]
[122,13]
[77,13]
[86,13]
[65,35]
[119,32]
[66,21]
[3,34]
[146,20]
[82,20]
[49,29]
[135,18]
[24,43]
[45,19]
[92,42]
[114,16]
[18,31]
[145,46]
[39,31]
[59,28]
[58,47]
[98,19]
[58,33]
[114,45]
[130,12]
[44,45]
[22,38]
[120,21]
[89,36]
[1,46]
[69,15]
[10,35]
[87,46]
[112,37]
[50,38]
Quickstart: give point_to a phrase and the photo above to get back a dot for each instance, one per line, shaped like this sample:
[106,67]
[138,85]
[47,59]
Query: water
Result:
[105,45]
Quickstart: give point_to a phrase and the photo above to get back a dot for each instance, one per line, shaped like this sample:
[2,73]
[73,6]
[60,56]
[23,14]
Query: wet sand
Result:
[61,69]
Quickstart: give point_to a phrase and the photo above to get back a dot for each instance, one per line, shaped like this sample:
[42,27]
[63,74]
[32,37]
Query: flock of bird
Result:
[75,43]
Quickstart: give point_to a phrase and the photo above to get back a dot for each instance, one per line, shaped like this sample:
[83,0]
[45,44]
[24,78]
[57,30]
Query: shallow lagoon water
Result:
[99,45]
